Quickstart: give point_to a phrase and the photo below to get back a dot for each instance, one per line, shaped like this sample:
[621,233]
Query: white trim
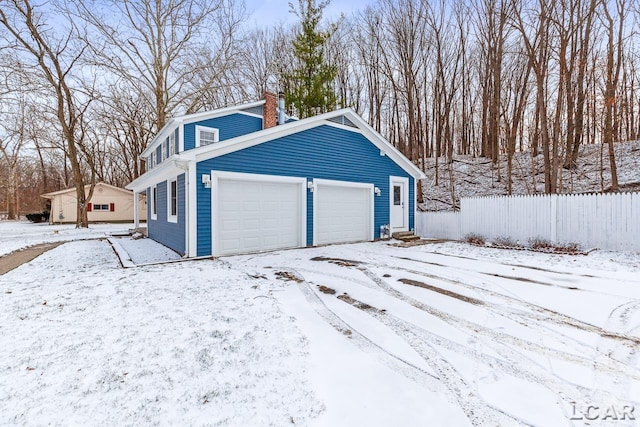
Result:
[163,172]
[249,140]
[191,197]
[405,185]
[265,135]
[98,207]
[379,141]
[329,182]
[245,141]
[206,115]
[172,146]
[217,175]
[246,113]
[214,131]
[170,217]
[86,189]
[153,195]
[160,138]
[415,205]
[189,118]
[343,127]
[136,209]
[180,139]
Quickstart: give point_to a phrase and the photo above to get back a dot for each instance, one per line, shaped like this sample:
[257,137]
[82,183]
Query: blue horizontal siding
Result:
[324,152]
[229,126]
[170,234]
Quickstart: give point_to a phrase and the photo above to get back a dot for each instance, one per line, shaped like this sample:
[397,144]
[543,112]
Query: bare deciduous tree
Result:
[55,58]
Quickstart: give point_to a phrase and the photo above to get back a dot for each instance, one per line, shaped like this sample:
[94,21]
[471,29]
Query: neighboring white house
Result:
[108,204]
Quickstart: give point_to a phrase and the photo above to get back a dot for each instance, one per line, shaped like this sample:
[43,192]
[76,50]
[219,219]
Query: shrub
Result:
[38,216]
[475,239]
[507,242]
[568,248]
[544,245]
[540,243]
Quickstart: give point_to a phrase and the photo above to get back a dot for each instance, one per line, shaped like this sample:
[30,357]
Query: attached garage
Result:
[254,213]
[343,212]
[249,180]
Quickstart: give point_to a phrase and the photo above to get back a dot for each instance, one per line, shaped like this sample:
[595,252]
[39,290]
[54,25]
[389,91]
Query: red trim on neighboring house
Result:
[112,207]
[88,207]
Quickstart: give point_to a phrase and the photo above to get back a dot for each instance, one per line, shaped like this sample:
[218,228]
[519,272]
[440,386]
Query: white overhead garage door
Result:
[253,213]
[343,212]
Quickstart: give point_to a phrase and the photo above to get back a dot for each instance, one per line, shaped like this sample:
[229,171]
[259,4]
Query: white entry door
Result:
[342,212]
[399,203]
[254,213]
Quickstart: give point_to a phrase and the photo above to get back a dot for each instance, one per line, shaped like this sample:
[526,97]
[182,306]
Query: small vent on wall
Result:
[343,121]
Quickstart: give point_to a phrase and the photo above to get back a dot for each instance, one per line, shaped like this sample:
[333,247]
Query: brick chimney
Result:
[270,110]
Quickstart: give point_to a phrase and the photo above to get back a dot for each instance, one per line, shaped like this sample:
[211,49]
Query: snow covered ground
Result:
[16,235]
[477,176]
[440,334]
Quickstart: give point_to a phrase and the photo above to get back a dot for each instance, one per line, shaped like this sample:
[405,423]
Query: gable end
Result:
[343,121]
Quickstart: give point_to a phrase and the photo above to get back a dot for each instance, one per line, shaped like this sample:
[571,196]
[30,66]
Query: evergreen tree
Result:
[310,84]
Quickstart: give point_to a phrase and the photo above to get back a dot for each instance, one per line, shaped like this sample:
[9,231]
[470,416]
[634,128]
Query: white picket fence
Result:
[605,221]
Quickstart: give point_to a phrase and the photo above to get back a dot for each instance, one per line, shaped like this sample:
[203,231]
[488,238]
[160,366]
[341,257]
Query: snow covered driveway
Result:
[364,334]
[486,336]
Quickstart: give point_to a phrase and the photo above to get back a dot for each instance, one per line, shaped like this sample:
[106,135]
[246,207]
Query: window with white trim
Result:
[172,200]
[164,149]
[206,135]
[101,207]
[172,144]
[154,202]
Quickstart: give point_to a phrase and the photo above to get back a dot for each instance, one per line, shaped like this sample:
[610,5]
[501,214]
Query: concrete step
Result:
[409,238]
[405,236]
[400,234]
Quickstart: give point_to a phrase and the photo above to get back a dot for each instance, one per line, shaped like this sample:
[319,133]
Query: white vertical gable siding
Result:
[605,221]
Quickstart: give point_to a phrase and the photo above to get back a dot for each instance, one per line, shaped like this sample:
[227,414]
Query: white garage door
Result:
[258,214]
[343,212]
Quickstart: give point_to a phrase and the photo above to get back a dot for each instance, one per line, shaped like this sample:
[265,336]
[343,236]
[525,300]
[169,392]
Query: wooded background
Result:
[85,85]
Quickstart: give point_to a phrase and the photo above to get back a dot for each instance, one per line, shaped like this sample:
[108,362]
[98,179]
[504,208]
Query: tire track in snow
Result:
[618,320]
[477,411]
[618,385]
[390,360]
[558,318]
[527,267]
[494,335]
[546,316]
[422,341]
[513,315]
[516,278]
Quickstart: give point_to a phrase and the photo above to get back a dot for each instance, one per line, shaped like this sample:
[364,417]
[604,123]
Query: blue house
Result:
[247,179]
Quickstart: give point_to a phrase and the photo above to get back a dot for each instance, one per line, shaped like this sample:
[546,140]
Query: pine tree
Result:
[311,83]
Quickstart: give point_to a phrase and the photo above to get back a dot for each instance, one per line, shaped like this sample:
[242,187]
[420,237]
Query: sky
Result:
[269,12]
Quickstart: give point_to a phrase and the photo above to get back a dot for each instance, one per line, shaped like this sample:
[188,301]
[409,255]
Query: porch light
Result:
[311,186]
[206,180]
[377,191]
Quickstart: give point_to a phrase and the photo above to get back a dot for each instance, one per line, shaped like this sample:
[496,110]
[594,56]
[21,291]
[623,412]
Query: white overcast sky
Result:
[268,12]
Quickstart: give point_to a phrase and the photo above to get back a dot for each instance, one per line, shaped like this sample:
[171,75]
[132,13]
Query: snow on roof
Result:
[86,187]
